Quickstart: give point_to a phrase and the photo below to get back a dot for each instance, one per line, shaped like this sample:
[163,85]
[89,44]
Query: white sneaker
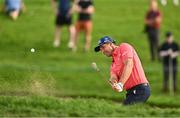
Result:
[176,2]
[56,43]
[70,44]
[164,2]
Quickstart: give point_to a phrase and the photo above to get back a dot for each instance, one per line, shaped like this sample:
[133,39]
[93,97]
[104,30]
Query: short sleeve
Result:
[126,52]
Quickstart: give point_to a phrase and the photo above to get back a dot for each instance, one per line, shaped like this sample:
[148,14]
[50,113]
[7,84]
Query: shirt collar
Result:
[114,54]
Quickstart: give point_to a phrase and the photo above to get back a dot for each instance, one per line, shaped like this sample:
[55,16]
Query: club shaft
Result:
[103,76]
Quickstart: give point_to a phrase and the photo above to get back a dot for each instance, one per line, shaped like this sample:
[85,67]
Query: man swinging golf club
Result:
[126,71]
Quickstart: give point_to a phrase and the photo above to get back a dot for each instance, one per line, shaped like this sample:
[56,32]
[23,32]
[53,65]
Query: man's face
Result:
[107,49]
[153,5]
[170,39]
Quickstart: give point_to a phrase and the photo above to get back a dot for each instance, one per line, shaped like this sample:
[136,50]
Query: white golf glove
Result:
[119,86]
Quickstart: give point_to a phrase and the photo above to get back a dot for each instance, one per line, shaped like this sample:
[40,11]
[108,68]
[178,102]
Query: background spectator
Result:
[85,9]
[14,7]
[63,17]
[169,51]
[152,26]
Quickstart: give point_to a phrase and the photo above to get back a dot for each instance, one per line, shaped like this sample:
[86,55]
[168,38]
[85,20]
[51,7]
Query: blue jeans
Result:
[137,94]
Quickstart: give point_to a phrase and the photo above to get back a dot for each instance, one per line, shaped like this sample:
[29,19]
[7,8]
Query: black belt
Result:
[138,86]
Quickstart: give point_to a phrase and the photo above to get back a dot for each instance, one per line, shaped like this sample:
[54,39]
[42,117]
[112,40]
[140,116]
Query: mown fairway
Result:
[56,82]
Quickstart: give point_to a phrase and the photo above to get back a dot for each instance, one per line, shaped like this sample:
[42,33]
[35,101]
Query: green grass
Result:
[48,106]
[57,82]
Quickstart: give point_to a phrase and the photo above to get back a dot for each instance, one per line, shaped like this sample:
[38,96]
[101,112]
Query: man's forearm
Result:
[89,10]
[163,53]
[175,54]
[126,71]
[158,20]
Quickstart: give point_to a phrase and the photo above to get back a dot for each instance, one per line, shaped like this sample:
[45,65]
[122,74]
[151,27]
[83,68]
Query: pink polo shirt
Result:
[119,56]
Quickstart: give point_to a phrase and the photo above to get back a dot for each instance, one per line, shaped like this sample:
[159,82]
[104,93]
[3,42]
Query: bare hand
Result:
[170,53]
[78,9]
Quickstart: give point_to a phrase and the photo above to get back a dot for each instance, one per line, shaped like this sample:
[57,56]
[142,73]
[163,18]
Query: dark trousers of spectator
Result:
[167,72]
[153,37]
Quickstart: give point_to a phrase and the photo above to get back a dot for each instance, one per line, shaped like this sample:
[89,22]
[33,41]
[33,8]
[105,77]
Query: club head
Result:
[94,66]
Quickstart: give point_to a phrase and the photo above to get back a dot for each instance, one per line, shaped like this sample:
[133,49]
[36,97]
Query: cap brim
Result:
[97,49]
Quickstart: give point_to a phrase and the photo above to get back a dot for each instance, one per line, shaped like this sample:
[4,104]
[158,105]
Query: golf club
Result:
[95,67]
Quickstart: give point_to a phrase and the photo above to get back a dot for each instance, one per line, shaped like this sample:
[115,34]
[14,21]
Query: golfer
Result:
[126,71]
